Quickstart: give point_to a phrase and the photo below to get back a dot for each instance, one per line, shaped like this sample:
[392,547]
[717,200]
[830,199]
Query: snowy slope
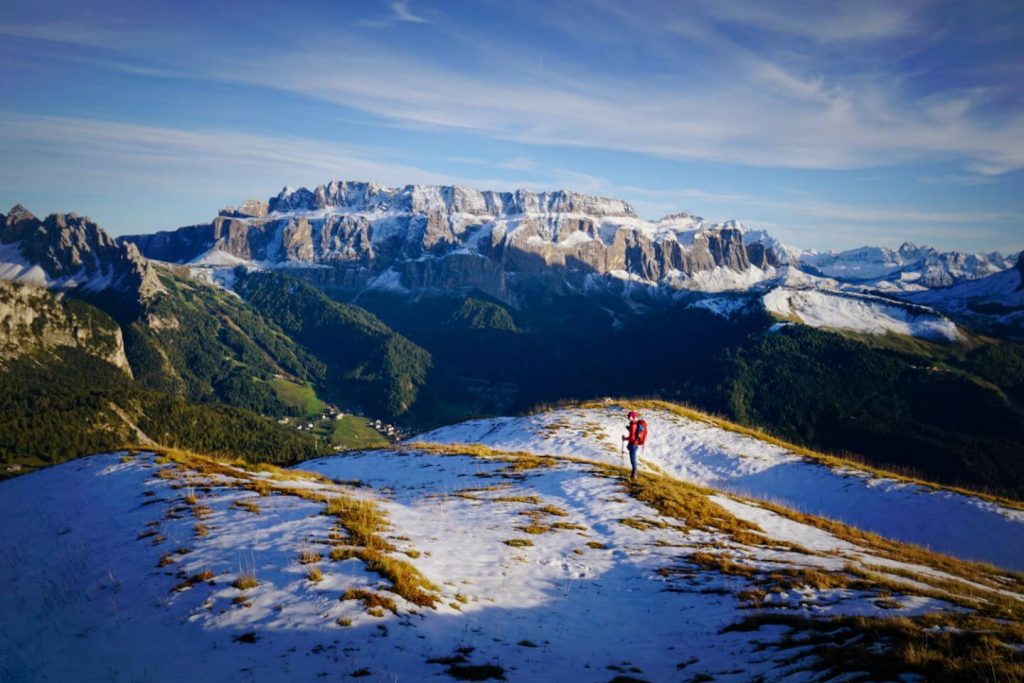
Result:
[94,549]
[702,453]
[871,315]
[14,267]
[907,266]
[994,300]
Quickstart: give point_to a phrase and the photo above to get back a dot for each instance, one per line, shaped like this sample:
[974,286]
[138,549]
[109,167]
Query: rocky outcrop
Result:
[33,319]
[74,252]
[447,237]
[423,199]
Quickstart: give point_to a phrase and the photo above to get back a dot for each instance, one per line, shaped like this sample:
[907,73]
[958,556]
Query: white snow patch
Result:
[848,312]
[703,453]
[725,307]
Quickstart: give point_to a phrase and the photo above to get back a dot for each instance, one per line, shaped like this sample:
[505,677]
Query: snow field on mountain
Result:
[822,309]
[546,570]
[701,452]
[14,267]
[1004,289]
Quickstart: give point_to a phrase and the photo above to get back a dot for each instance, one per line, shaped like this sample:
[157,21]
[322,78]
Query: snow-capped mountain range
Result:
[422,237]
[349,237]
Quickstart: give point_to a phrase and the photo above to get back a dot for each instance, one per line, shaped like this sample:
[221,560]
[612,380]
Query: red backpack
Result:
[640,435]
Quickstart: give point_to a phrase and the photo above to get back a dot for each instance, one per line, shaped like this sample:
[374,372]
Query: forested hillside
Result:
[363,357]
[55,406]
[201,343]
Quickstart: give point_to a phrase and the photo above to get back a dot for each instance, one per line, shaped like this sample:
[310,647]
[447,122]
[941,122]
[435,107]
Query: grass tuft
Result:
[370,600]
[309,557]
[245,581]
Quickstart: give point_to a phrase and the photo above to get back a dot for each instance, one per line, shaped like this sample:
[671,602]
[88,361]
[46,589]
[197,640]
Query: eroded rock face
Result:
[72,251]
[431,237]
[33,319]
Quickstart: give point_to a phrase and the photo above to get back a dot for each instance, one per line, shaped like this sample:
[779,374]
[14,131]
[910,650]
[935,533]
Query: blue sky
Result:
[832,125]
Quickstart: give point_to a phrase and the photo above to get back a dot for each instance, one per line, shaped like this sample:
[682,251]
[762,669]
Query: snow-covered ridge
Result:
[450,199]
[555,573]
[859,313]
[910,266]
[703,453]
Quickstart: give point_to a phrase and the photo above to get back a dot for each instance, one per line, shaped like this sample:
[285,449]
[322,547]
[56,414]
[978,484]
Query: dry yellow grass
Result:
[370,600]
[309,557]
[946,647]
[720,563]
[685,502]
[247,505]
[361,519]
[517,461]
[552,510]
[531,499]
[642,523]
[260,486]
[315,575]
[202,577]
[245,581]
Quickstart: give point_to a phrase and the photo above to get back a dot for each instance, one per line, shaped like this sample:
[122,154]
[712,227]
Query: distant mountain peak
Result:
[362,195]
[18,213]
[68,251]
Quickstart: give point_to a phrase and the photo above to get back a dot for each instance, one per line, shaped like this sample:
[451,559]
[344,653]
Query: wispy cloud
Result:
[70,33]
[402,12]
[399,12]
[768,118]
[101,156]
[756,110]
[821,22]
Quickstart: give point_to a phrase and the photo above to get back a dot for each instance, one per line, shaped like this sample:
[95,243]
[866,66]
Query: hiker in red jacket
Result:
[636,437]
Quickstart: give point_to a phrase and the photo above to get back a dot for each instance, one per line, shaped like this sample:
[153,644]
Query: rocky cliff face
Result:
[351,235]
[34,319]
[66,251]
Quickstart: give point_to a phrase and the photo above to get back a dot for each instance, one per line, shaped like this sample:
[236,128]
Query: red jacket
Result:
[631,439]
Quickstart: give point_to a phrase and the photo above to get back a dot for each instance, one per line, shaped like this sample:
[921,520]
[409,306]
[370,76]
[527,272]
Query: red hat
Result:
[632,413]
